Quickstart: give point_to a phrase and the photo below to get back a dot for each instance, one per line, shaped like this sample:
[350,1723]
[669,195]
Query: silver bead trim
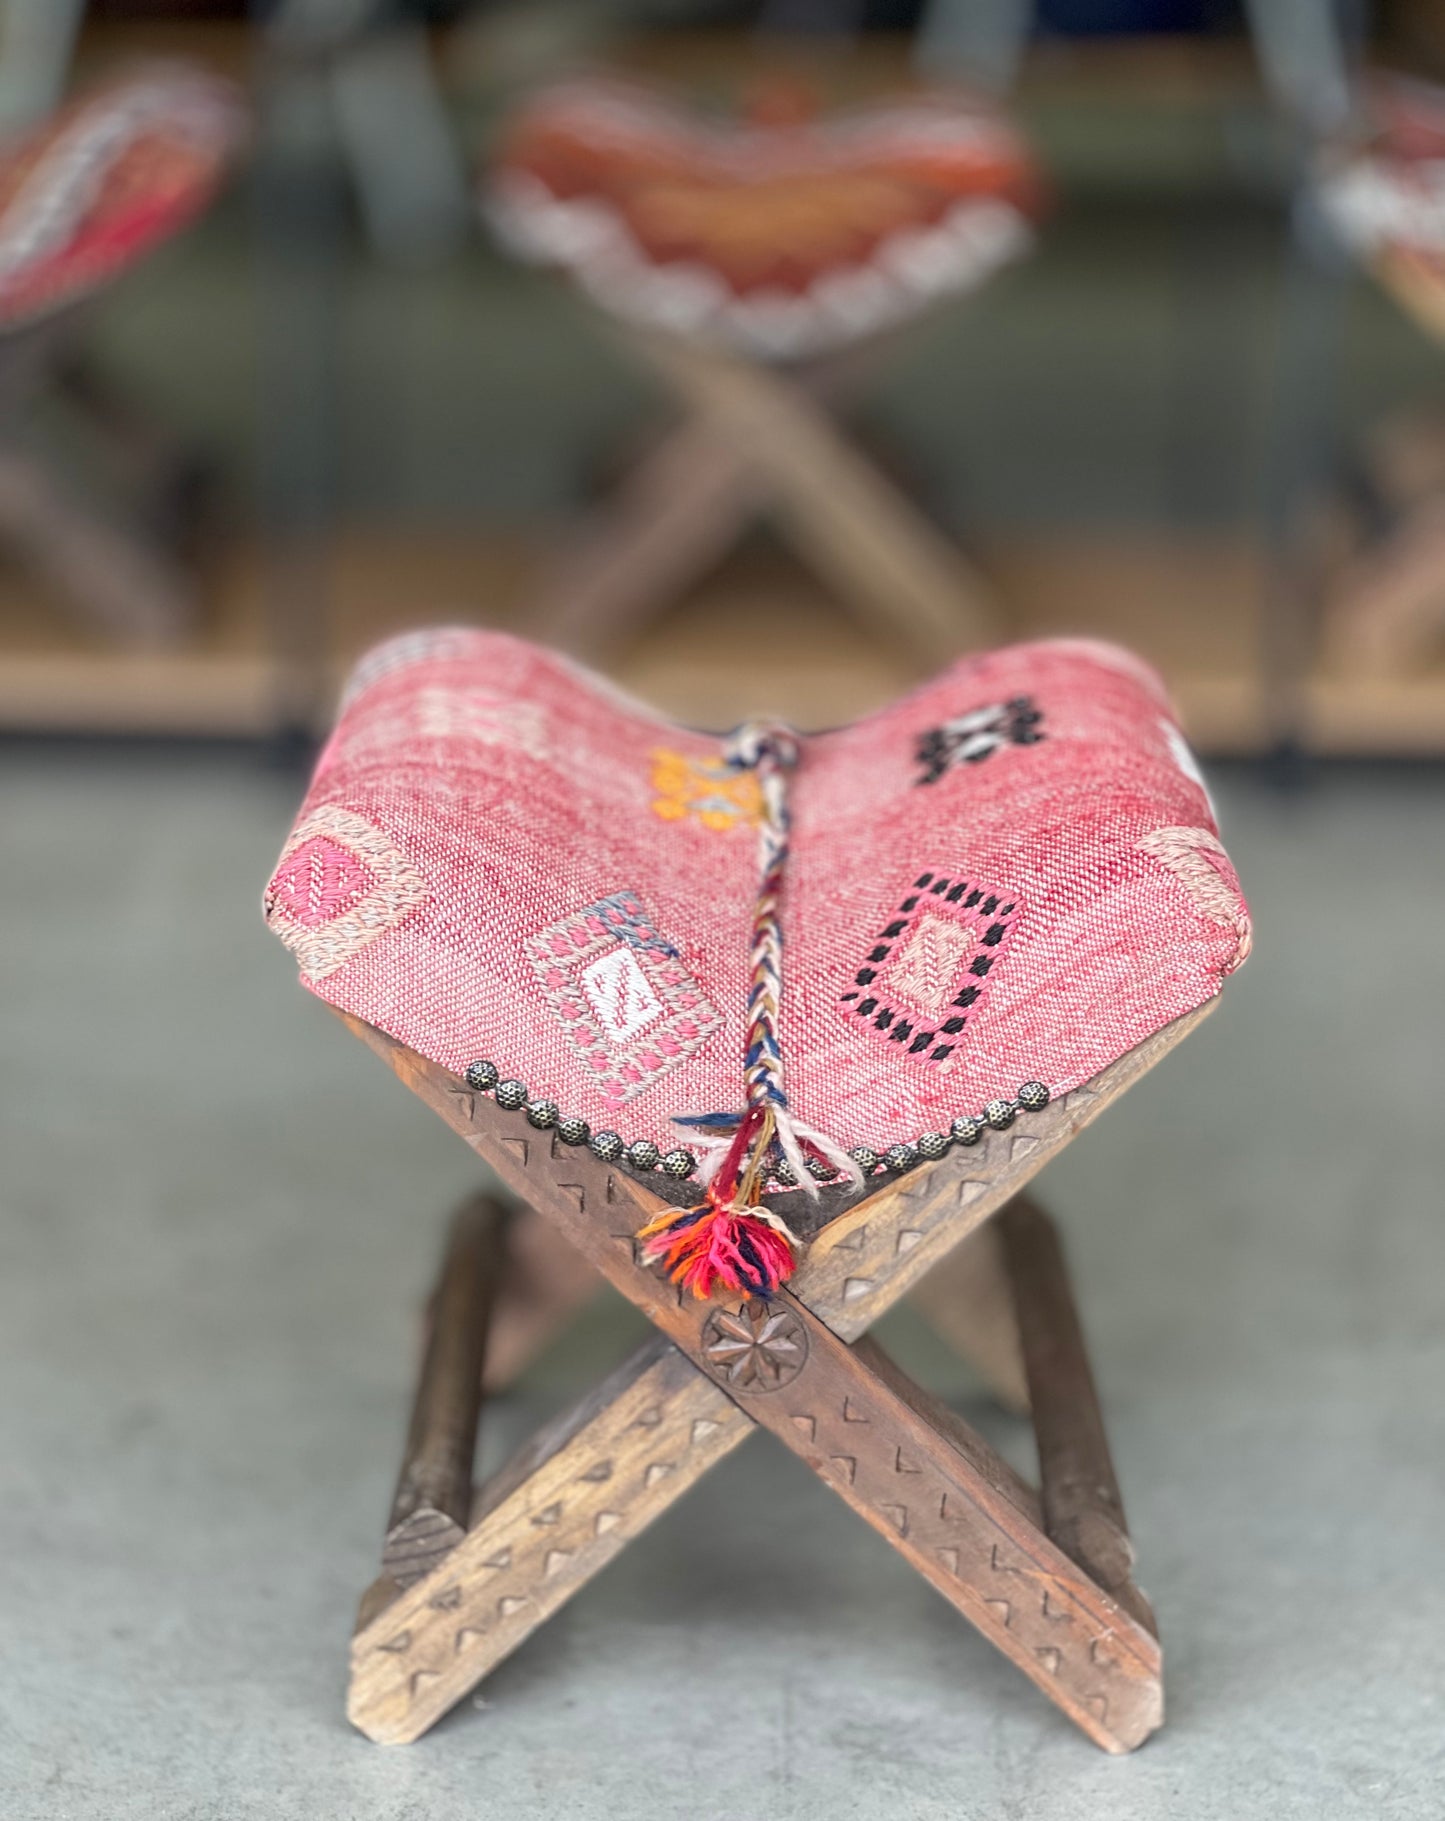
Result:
[644,1156]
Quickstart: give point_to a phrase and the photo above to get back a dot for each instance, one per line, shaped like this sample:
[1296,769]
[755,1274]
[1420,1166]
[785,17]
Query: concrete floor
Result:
[218,1216]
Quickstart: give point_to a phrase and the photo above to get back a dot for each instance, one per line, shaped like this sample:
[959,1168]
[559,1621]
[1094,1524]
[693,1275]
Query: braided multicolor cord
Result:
[733,1238]
[771,751]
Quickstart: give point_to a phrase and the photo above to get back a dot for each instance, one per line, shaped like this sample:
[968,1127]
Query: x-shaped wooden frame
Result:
[1045,1576]
[755,437]
[113,570]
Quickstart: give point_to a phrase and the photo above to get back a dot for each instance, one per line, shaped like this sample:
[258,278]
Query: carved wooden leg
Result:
[432,1504]
[675,515]
[1083,1509]
[899,570]
[968,1301]
[549,1520]
[948,1503]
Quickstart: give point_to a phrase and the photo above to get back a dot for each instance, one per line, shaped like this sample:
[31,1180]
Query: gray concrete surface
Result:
[218,1214]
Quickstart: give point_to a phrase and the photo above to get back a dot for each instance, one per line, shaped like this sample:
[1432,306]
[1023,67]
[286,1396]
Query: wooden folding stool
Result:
[1385,607]
[81,199]
[862,985]
[1046,1576]
[751,271]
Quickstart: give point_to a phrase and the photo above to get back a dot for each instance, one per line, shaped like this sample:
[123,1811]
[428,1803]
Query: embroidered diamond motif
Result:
[931,961]
[928,970]
[319,881]
[341,882]
[619,992]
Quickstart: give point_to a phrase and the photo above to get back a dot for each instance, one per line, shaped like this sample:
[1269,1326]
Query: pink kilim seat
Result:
[778,236]
[1011,875]
[108,177]
[786,1020]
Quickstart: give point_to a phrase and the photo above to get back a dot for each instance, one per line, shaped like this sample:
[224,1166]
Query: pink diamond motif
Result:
[319,881]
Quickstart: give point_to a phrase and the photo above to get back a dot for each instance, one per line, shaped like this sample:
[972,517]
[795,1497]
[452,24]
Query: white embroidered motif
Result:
[620,994]
[1183,756]
[931,961]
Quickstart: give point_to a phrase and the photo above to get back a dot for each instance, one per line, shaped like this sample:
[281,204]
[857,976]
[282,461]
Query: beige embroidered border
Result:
[399,888]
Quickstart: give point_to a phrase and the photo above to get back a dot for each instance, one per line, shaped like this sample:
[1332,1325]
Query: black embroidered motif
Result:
[929,965]
[971,737]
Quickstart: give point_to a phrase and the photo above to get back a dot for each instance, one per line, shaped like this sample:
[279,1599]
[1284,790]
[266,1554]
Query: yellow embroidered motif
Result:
[706,790]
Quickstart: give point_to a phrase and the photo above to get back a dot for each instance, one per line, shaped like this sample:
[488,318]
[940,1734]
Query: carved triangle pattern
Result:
[1032,1615]
[946,1531]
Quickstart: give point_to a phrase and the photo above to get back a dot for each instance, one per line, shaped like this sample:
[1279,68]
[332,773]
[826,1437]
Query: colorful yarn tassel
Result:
[731,1239]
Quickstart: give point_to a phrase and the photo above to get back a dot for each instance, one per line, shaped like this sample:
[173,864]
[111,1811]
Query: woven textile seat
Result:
[1012,875]
[1385,190]
[956,930]
[777,237]
[109,177]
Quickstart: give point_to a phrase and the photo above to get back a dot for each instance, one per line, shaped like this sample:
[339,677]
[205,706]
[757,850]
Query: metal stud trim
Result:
[643,1155]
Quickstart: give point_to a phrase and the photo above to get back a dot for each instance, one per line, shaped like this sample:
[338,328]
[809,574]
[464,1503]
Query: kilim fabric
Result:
[782,237]
[107,178]
[1385,188]
[1011,875]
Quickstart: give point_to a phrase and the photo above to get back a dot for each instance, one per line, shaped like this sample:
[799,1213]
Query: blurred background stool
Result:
[1385,193]
[83,197]
[758,267]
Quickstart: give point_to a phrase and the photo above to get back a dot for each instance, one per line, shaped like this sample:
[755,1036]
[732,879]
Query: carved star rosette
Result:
[756,1348]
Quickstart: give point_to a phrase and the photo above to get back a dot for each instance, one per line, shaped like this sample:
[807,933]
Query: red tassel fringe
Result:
[709,1246]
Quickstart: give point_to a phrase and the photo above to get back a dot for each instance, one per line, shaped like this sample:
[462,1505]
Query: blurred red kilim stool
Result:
[83,198]
[1385,191]
[757,265]
[767,1029]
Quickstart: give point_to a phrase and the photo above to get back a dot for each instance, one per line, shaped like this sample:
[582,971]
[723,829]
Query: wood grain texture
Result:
[554,1517]
[862,1261]
[1083,1508]
[983,1519]
[431,1506]
[948,1504]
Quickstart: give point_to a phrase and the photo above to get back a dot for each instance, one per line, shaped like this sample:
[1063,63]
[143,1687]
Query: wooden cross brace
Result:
[755,437]
[118,570]
[1045,1576]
